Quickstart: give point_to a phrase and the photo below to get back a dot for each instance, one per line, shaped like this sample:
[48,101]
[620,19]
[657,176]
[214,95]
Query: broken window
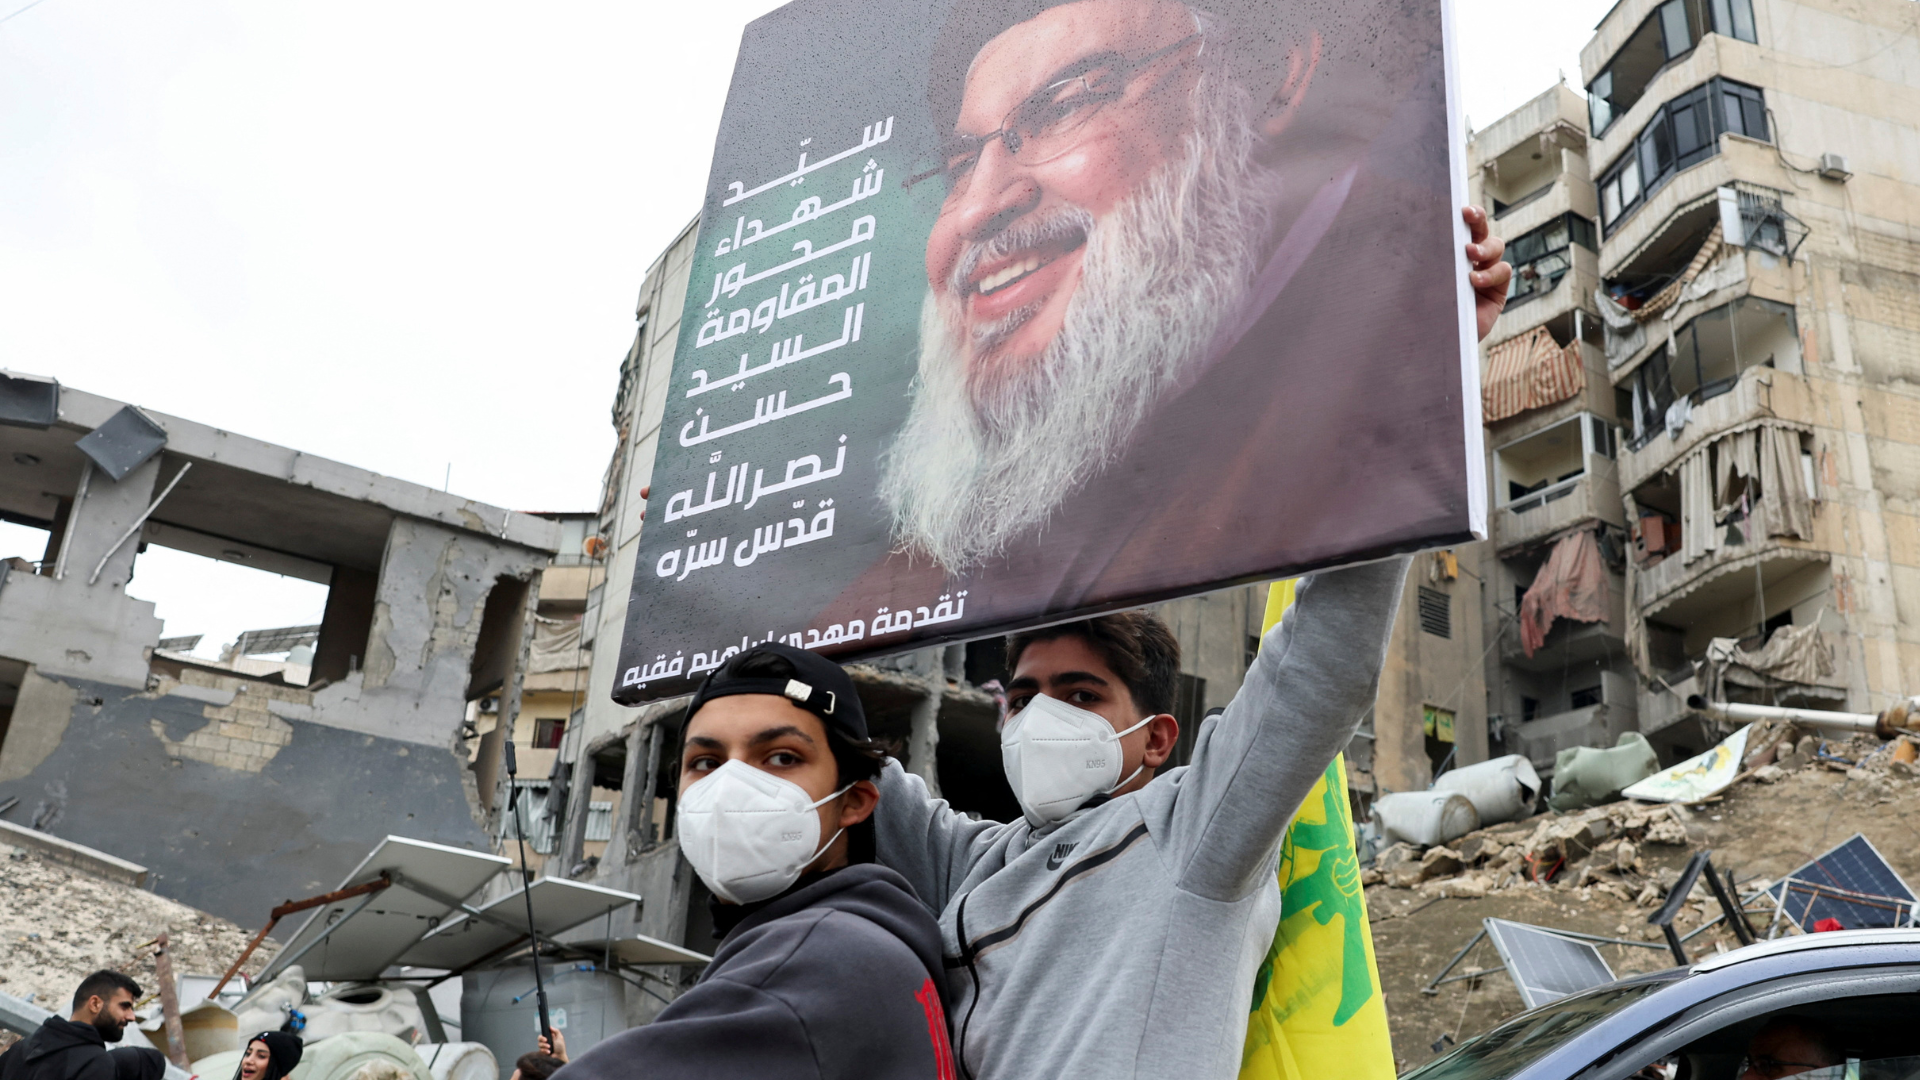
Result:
[1680,134]
[1669,33]
[1541,257]
[24,540]
[1584,697]
[231,615]
[1707,356]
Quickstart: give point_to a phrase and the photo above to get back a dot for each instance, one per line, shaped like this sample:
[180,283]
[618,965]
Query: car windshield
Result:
[1525,1039]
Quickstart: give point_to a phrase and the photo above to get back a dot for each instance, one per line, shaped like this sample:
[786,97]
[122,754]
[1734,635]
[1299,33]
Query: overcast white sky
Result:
[405,235]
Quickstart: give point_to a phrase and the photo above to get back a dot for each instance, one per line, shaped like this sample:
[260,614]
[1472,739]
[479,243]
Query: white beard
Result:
[1161,272]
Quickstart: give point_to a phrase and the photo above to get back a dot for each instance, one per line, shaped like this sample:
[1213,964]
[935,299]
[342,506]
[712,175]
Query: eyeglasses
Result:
[1045,125]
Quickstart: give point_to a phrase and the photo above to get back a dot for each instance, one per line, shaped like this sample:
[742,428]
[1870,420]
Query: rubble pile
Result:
[1600,849]
[59,924]
[1597,848]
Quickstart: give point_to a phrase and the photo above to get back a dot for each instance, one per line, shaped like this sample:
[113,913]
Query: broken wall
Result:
[240,793]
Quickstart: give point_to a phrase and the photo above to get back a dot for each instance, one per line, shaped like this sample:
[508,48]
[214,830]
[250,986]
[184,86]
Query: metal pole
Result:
[284,961]
[1842,721]
[526,886]
[284,910]
[137,522]
[176,1035]
[73,518]
[1430,988]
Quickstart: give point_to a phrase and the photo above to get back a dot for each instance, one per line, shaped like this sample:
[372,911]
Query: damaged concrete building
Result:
[238,788]
[1554,679]
[1702,428]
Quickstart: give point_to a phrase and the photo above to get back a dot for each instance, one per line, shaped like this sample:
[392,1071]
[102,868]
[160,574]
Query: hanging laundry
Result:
[1571,585]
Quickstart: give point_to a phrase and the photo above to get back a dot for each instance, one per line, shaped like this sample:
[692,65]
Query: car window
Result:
[1519,1042]
[1892,1068]
[1865,1011]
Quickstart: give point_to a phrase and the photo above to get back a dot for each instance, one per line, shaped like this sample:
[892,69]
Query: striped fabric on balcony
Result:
[1528,372]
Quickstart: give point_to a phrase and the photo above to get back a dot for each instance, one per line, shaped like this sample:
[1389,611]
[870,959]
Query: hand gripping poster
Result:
[1004,312]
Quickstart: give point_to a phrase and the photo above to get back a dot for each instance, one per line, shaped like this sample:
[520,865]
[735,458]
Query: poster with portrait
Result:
[1005,312]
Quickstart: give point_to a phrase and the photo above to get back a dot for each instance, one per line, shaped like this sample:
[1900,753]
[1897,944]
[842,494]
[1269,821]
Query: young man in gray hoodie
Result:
[1116,929]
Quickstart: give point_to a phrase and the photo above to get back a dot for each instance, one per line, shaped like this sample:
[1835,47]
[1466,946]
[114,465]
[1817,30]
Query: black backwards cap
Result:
[821,687]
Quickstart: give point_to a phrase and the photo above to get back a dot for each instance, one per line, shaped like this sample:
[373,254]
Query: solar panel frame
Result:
[377,931]
[1844,883]
[558,906]
[1544,965]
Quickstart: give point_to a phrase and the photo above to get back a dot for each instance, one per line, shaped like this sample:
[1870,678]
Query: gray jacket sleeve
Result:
[1311,685]
[923,839]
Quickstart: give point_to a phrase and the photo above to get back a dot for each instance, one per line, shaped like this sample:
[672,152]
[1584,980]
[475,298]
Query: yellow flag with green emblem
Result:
[1317,1008]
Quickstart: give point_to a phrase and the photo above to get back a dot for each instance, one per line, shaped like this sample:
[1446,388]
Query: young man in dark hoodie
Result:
[76,1048]
[829,966]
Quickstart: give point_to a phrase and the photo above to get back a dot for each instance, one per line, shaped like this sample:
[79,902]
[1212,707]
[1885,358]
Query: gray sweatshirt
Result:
[1123,941]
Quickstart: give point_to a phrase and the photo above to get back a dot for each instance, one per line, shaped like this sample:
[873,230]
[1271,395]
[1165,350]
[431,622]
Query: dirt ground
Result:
[58,925]
[1759,831]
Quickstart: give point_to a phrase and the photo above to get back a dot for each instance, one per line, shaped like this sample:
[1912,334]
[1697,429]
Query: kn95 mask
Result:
[749,834]
[1058,756]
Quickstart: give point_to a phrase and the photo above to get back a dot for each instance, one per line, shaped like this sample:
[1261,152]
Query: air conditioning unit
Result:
[1834,167]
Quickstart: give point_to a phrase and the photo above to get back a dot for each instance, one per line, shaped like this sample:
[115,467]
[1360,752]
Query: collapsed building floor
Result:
[240,789]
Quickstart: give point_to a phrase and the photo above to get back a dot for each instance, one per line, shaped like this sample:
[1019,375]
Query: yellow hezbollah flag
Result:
[1317,1009]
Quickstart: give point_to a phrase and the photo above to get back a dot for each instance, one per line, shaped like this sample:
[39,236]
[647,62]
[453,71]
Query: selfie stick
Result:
[526,890]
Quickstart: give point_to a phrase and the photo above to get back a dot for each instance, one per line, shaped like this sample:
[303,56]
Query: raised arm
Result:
[923,839]
[1307,691]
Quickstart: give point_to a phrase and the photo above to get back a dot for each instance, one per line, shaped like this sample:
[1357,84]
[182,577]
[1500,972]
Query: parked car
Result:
[1861,987]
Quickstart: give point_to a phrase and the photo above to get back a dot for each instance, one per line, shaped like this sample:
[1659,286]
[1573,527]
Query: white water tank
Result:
[362,1007]
[1503,789]
[459,1061]
[498,1008]
[1425,818]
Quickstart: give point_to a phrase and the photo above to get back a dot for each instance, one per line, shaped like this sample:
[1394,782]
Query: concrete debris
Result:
[1601,849]
[59,925]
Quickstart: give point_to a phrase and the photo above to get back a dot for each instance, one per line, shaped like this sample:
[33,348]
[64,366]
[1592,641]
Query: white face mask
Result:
[749,833]
[1058,756]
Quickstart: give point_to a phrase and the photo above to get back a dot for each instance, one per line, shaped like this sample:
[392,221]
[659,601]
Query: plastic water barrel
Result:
[1425,818]
[459,1061]
[1501,790]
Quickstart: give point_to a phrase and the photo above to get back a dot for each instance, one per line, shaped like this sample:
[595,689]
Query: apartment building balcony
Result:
[1549,289]
[1643,217]
[1596,397]
[1570,644]
[1754,394]
[1679,592]
[1557,508]
[1553,478]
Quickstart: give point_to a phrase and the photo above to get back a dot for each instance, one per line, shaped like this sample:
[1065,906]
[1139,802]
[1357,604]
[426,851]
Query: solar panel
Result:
[1851,884]
[558,906]
[377,927]
[1544,965]
[640,949]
